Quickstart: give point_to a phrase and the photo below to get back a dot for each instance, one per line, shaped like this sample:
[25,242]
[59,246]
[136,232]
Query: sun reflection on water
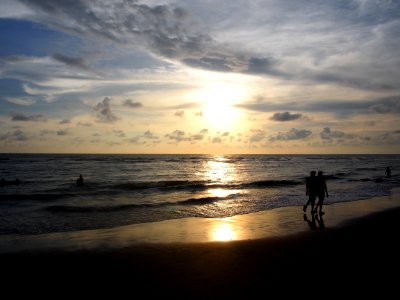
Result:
[219,170]
[223,232]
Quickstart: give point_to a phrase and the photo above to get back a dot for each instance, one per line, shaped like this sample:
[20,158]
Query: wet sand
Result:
[274,252]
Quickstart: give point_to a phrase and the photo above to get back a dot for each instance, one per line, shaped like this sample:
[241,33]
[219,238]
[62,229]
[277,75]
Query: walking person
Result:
[322,191]
[311,191]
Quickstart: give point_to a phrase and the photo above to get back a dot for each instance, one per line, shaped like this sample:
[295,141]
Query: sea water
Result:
[131,189]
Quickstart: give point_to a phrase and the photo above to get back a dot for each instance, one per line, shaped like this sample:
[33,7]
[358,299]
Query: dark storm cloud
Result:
[292,134]
[285,116]
[19,116]
[104,113]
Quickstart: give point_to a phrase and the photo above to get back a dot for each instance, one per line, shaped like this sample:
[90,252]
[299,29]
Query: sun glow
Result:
[219,100]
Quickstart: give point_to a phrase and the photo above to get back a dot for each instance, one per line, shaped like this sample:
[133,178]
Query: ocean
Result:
[132,189]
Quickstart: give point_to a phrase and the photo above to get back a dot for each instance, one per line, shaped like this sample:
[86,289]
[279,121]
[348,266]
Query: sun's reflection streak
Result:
[223,232]
[219,170]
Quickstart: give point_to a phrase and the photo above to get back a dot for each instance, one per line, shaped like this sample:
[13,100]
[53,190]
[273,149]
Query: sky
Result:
[187,76]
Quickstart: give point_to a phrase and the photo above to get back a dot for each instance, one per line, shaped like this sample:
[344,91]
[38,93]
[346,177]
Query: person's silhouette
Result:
[311,191]
[79,181]
[322,191]
[388,172]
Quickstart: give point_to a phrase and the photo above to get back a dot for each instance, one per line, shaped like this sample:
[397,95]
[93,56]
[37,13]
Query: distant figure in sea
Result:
[79,181]
[388,172]
[311,191]
[322,191]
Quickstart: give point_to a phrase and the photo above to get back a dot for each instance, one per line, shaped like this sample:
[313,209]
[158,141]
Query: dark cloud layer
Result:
[285,116]
[19,116]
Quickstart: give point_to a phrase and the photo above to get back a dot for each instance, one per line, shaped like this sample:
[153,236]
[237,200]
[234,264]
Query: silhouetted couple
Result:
[316,187]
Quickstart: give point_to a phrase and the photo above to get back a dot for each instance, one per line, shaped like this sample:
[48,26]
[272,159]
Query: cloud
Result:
[16,135]
[341,107]
[149,135]
[257,136]
[217,140]
[179,113]
[104,113]
[292,42]
[292,134]
[84,124]
[19,116]
[61,132]
[166,30]
[196,137]
[131,104]
[177,136]
[285,116]
[119,133]
[24,101]
[328,134]
[64,121]
[71,61]
[386,105]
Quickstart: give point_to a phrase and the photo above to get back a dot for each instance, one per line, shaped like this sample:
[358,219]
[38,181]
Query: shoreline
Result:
[278,222]
[351,256]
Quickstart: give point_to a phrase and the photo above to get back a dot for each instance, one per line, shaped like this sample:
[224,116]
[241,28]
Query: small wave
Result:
[173,184]
[72,208]
[271,183]
[35,197]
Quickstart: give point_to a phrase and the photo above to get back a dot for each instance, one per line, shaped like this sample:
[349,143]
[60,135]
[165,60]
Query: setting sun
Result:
[219,99]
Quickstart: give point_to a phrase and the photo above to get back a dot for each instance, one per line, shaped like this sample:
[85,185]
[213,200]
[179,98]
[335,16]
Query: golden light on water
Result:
[223,232]
[218,170]
[220,192]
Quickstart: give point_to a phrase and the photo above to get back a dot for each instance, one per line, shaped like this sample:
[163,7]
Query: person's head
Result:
[320,173]
[312,173]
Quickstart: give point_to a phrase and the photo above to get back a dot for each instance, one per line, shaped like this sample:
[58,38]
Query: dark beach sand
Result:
[358,258]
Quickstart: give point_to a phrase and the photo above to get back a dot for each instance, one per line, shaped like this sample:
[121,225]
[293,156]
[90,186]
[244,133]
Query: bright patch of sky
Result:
[229,76]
